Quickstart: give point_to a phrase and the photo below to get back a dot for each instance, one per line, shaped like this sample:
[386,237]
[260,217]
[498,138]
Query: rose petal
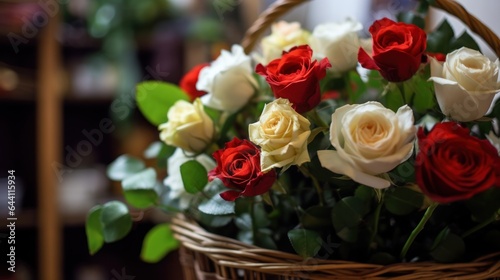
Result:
[230,195]
[366,60]
[406,123]
[331,161]
[384,164]
[397,66]
[456,103]
[261,184]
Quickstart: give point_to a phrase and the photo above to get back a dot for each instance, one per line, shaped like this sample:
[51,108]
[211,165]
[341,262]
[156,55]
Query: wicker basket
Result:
[206,256]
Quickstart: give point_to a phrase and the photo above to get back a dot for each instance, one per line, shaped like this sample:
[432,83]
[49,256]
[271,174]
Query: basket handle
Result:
[280,7]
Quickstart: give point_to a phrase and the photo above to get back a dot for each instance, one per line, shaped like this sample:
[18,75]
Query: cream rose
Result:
[283,37]
[339,42]
[282,136]
[228,81]
[465,84]
[174,179]
[188,127]
[369,140]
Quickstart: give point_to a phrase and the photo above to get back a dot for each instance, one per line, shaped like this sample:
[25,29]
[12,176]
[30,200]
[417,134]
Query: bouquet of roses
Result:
[385,148]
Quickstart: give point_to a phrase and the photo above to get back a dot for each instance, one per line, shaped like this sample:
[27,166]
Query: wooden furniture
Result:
[49,142]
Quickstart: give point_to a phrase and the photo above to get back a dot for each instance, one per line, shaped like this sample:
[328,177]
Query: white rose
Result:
[284,36]
[282,136]
[228,81]
[188,127]
[174,179]
[369,140]
[465,84]
[339,42]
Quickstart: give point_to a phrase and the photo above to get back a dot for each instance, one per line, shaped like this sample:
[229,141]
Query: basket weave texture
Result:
[207,256]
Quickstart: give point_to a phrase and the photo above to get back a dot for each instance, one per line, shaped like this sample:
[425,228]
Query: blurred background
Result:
[68,70]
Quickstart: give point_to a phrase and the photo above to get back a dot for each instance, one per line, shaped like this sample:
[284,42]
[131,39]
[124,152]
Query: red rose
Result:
[331,94]
[452,165]
[238,167]
[295,77]
[437,56]
[188,82]
[398,49]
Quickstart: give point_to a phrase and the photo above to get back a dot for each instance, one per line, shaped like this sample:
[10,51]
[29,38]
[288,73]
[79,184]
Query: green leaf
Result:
[465,40]
[260,219]
[253,229]
[155,98]
[146,179]
[331,82]
[495,113]
[245,230]
[349,235]
[448,247]
[228,123]
[375,80]
[403,173]
[484,205]
[139,189]
[194,176]
[212,220]
[316,217]
[217,206]
[93,230]
[349,212]
[424,99]
[263,238]
[347,215]
[412,18]
[408,91]
[423,7]
[242,205]
[359,89]
[442,235]
[244,223]
[364,193]
[160,151]
[158,242]
[306,243]
[393,97]
[141,199]
[439,39]
[124,166]
[115,220]
[153,150]
[403,200]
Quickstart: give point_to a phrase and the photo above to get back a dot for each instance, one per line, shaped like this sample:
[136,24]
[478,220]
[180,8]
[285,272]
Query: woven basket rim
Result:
[232,253]
[451,7]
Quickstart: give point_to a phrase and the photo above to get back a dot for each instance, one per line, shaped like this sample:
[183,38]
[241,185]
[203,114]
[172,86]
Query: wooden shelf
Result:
[54,118]
[49,142]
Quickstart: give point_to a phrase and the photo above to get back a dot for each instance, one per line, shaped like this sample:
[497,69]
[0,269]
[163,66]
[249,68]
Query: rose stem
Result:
[347,82]
[493,218]
[418,228]
[376,220]
[252,219]
[316,119]
[319,190]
